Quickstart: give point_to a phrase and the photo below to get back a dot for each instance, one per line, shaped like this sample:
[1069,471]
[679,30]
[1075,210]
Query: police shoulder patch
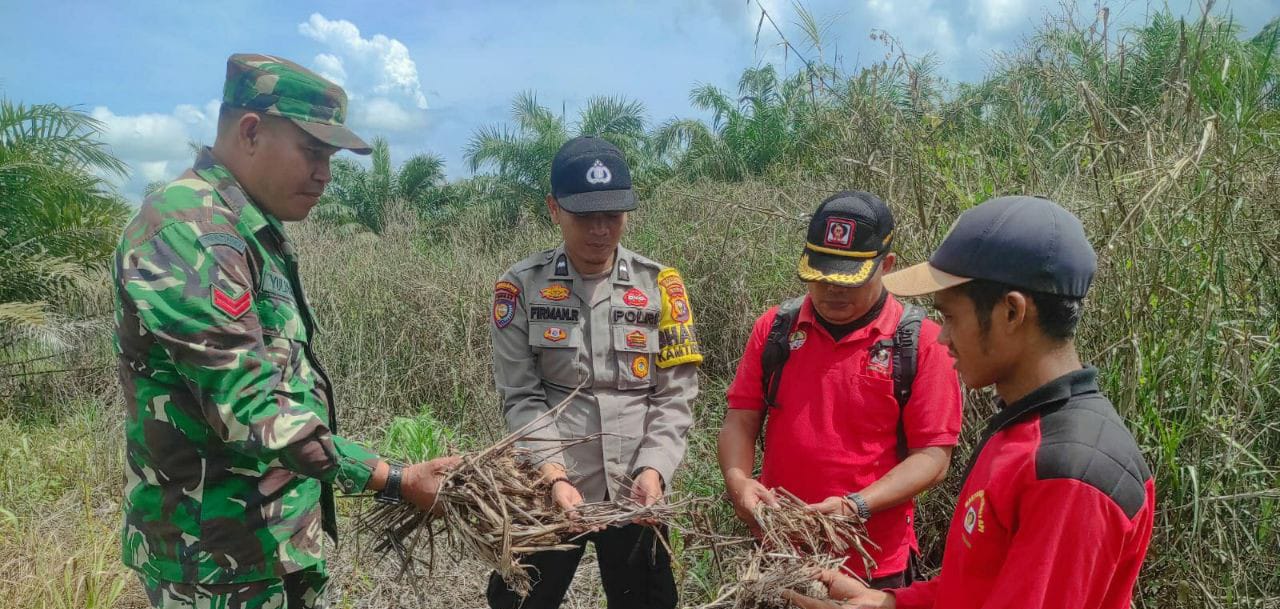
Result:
[504,303]
[677,342]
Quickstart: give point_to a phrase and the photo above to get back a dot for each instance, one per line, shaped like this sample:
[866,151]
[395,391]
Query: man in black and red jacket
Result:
[1057,503]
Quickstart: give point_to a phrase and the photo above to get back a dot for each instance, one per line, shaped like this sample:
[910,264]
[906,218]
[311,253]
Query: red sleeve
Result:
[746,392]
[932,415]
[919,595]
[1068,543]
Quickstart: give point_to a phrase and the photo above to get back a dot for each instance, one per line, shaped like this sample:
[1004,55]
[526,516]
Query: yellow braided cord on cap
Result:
[808,273]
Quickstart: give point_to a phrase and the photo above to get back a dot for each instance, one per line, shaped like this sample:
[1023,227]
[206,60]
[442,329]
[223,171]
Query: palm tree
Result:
[748,134]
[357,198]
[521,156]
[58,219]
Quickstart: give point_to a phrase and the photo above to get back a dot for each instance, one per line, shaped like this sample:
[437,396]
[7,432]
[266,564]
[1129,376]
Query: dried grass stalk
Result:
[795,545]
[497,507]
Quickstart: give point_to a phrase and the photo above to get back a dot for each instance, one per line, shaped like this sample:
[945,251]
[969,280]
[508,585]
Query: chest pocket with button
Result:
[635,340]
[558,346]
[283,329]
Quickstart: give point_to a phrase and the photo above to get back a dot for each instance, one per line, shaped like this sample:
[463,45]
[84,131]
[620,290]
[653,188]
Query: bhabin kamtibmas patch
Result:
[677,342]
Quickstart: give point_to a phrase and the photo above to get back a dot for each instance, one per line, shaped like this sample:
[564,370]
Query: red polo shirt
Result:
[1055,513]
[834,430]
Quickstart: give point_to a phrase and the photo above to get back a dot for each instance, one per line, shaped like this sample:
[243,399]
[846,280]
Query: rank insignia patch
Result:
[637,340]
[235,308]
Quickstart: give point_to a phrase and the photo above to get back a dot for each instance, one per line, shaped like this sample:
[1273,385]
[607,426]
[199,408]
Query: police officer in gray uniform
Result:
[593,314]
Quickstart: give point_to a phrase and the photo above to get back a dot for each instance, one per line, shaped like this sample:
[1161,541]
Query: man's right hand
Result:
[746,494]
[844,590]
[421,482]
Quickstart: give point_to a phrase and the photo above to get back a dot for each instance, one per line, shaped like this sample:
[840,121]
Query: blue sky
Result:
[426,74]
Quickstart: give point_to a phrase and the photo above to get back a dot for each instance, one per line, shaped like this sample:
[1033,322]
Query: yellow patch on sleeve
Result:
[677,342]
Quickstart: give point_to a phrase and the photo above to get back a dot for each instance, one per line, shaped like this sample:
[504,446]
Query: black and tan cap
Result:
[848,236]
[1024,242]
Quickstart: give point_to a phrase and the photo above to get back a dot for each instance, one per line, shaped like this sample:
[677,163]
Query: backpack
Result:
[905,347]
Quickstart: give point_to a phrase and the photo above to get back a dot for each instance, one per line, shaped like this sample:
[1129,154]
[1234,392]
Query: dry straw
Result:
[795,544]
[496,506]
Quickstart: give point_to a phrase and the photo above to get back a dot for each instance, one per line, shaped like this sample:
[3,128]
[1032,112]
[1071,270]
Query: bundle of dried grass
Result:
[794,546]
[496,506]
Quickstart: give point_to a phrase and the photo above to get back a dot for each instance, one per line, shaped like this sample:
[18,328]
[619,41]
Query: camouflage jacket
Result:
[231,450]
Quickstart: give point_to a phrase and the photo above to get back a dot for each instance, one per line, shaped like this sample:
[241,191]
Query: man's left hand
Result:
[646,491]
[835,506]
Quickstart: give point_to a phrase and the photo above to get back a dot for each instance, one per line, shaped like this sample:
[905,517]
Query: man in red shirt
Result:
[837,435]
[1057,504]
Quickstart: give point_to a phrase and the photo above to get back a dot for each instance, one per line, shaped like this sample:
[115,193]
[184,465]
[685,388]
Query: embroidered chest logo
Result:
[599,174]
[635,298]
[878,360]
[974,507]
[555,335]
[796,340]
[640,366]
[504,303]
[556,292]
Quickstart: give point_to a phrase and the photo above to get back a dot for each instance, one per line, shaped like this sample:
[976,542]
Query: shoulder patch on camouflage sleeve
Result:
[227,239]
[677,341]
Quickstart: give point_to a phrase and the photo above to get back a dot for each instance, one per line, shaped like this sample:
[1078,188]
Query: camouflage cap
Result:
[280,87]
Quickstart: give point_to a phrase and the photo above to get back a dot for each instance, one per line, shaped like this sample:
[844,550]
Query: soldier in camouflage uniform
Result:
[593,314]
[231,441]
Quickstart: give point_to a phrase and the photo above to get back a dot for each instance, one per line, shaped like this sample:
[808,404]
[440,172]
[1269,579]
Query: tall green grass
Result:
[1167,146]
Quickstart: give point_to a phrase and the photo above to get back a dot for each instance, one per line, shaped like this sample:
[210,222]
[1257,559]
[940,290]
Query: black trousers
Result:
[634,567]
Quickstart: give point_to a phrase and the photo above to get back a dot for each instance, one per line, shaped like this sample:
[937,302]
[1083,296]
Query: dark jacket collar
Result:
[1053,393]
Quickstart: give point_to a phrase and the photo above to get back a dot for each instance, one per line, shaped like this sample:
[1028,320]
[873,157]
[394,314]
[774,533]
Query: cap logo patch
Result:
[839,233]
[635,298]
[599,174]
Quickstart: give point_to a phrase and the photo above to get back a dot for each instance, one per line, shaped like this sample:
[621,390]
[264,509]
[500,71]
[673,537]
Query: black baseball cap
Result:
[589,175]
[848,236]
[1025,242]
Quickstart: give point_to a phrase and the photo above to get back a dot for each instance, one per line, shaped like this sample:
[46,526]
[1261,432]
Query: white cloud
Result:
[330,66]
[998,15]
[382,114]
[392,68]
[154,145]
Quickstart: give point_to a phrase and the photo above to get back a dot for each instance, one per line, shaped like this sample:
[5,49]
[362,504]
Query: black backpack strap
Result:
[906,351]
[777,349]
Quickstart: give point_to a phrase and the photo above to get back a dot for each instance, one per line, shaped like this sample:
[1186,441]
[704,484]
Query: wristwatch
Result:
[390,492]
[864,510]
